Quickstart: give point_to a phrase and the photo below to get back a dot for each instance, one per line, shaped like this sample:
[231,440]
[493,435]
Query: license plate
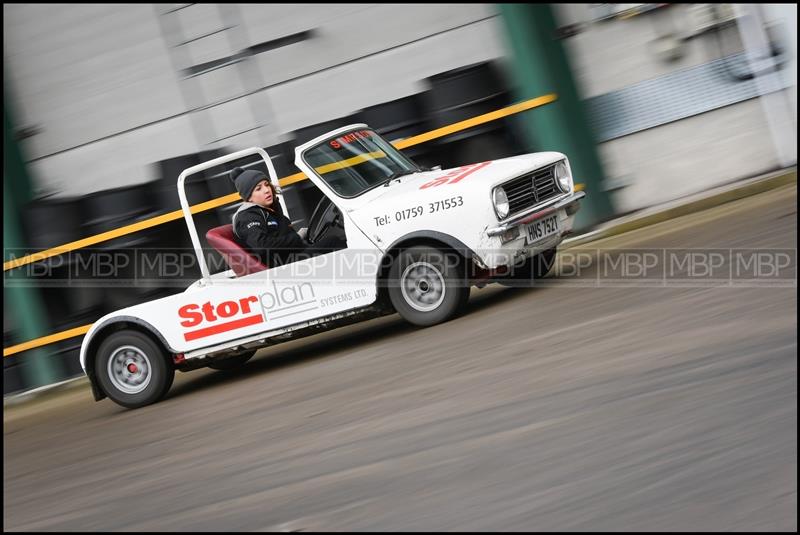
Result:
[542,228]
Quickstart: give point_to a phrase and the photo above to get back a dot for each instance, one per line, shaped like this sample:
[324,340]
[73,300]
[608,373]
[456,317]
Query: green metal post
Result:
[540,66]
[19,298]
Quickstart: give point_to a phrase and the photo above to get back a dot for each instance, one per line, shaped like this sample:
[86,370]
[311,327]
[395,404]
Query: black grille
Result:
[531,189]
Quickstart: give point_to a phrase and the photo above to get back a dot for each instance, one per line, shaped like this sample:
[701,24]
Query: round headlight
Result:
[500,202]
[562,177]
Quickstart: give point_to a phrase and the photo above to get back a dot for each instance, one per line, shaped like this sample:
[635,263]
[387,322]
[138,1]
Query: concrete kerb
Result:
[687,205]
[644,218]
[41,392]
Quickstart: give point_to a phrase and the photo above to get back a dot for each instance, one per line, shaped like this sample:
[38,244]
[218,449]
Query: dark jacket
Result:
[267,234]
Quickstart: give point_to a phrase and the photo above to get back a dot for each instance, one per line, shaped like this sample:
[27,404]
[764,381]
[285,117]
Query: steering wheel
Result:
[326,217]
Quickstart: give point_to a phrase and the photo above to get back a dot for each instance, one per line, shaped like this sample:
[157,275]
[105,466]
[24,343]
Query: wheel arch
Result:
[106,329]
[422,237]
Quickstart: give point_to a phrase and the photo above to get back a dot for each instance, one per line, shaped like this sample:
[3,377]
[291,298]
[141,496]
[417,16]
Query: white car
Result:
[416,241]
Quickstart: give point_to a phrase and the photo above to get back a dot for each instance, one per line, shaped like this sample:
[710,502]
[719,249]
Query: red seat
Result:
[239,259]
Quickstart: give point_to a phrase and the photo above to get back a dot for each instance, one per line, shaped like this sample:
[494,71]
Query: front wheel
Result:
[132,369]
[427,285]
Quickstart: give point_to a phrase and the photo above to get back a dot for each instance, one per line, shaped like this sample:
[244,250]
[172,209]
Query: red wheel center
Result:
[132,367]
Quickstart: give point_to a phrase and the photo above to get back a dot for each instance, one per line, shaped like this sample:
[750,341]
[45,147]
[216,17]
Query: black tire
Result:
[534,268]
[427,285]
[231,363]
[145,382]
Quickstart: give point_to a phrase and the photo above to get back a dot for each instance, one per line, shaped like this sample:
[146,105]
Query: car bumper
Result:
[509,239]
[569,204]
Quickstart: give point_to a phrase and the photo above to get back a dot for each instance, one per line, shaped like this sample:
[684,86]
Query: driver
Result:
[261,227]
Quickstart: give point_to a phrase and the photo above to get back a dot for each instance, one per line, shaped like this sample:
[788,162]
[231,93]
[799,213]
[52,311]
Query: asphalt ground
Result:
[605,400]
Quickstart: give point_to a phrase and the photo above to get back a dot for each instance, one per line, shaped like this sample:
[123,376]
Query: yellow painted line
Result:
[45,340]
[116,233]
[475,121]
[350,162]
[233,197]
[291,179]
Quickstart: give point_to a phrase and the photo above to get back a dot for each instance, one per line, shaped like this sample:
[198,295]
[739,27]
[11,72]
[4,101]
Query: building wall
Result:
[678,158]
[99,88]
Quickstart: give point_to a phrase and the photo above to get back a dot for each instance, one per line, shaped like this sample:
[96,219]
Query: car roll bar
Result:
[187,214]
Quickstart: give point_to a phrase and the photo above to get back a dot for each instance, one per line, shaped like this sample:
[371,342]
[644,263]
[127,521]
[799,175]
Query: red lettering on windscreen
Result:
[350,138]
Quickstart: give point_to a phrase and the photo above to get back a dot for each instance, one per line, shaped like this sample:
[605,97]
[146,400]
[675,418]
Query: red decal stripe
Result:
[476,167]
[222,327]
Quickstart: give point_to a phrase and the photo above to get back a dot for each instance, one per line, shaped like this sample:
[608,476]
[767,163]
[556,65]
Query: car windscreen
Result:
[357,161]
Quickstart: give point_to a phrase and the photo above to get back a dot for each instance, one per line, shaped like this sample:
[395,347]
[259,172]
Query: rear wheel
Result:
[231,363]
[132,369]
[427,285]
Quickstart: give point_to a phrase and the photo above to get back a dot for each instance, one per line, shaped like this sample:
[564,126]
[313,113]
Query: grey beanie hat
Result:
[246,181]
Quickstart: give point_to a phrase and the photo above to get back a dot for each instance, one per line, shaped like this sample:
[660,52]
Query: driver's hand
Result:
[302,232]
